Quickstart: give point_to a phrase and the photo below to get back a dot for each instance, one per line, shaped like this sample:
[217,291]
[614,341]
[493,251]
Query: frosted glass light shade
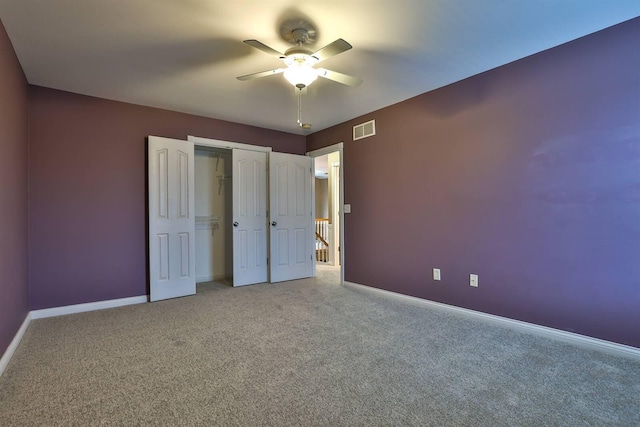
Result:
[300,74]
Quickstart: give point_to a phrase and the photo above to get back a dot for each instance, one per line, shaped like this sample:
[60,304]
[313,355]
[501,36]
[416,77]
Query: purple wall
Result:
[528,175]
[14,279]
[87,191]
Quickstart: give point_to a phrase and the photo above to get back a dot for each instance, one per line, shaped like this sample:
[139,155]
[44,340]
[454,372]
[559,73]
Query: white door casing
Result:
[249,217]
[291,219]
[334,208]
[171,218]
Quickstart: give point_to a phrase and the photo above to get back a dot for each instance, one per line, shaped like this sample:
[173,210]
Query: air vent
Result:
[364,130]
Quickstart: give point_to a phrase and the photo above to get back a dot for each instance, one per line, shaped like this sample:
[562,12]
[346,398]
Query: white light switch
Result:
[436,274]
[347,208]
[473,280]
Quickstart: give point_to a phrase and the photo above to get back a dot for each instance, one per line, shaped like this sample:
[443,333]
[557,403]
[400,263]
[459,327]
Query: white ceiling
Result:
[184,55]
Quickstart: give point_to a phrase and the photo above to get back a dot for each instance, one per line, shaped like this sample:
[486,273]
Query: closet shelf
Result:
[207,222]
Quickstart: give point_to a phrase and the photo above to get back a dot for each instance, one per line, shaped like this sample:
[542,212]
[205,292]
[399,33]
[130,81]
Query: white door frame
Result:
[218,143]
[321,152]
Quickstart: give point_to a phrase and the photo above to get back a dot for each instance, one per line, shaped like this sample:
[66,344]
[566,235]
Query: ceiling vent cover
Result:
[364,130]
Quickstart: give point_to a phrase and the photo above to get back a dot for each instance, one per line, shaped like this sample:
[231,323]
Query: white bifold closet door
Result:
[172,271]
[172,217]
[249,217]
[292,222]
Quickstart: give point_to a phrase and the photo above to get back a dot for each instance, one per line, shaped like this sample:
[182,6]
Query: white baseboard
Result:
[6,357]
[61,311]
[569,337]
[90,306]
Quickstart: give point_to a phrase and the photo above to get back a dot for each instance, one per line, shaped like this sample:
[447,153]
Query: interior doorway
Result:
[329,215]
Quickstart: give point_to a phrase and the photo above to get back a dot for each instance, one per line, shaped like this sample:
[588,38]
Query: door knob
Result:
[274,223]
[235,224]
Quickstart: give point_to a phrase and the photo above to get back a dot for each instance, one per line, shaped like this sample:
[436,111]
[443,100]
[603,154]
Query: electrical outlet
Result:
[436,274]
[473,280]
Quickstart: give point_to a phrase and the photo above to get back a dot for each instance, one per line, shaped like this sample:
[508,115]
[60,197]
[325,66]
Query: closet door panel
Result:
[292,226]
[171,218]
[249,217]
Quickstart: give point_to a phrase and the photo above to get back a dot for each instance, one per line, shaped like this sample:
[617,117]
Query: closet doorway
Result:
[248,219]
[213,215]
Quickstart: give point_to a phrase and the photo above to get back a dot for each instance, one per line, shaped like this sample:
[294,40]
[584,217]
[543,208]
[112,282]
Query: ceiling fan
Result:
[299,61]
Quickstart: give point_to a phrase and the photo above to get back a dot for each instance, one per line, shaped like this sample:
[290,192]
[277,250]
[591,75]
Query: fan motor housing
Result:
[298,31]
[300,56]
[297,51]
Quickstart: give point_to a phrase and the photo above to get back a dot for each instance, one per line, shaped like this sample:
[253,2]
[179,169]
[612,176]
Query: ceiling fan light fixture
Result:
[300,74]
[300,62]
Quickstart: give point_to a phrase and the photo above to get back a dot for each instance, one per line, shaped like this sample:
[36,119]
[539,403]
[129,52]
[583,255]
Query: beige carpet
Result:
[305,352]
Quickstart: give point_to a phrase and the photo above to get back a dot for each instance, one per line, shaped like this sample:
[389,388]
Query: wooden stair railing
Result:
[322,235]
[319,237]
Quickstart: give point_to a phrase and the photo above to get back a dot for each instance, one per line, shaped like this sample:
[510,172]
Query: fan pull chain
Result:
[299,106]
[302,125]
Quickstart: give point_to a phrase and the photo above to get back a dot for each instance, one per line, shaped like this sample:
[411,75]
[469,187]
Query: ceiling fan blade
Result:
[261,74]
[263,47]
[345,79]
[332,49]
